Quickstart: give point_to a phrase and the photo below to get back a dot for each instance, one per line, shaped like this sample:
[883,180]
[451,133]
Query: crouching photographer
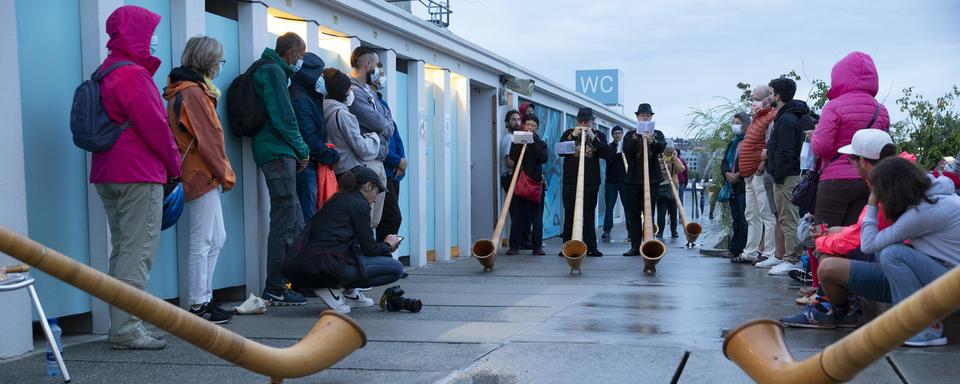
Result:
[336,253]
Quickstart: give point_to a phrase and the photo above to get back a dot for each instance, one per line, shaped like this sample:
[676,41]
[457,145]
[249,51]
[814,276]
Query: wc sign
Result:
[602,85]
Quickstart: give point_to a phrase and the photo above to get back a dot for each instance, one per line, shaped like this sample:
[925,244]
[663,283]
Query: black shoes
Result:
[632,252]
[211,314]
[594,253]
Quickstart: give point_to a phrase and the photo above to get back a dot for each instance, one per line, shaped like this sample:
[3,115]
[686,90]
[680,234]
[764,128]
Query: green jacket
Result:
[280,136]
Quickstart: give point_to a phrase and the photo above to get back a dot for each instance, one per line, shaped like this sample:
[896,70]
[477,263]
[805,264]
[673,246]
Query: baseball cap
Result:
[364,174]
[867,143]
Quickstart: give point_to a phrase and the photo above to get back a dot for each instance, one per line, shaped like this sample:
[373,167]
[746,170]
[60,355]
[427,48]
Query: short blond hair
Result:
[202,53]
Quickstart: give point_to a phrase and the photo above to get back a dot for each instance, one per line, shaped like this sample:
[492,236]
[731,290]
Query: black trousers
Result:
[589,213]
[666,204]
[529,219]
[634,205]
[516,210]
[391,218]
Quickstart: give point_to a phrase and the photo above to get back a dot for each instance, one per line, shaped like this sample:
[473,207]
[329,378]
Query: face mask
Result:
[154,44]
[320,86]
[755,106]
[736,129]
[349,101]
[382,83]
[374,75]
[210,86]
[297,65]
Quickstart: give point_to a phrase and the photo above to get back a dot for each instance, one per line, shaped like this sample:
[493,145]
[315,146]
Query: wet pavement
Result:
[528,321]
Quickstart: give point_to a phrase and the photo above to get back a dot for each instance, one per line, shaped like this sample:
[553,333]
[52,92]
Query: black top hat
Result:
[644,109]
[585,114]
[364,174]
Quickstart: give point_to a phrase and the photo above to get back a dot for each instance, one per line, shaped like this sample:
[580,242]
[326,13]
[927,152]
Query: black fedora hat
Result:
[585,114]
[644,109]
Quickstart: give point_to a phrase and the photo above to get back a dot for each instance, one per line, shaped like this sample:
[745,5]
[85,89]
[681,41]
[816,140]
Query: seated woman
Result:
[337,254]
[926,212]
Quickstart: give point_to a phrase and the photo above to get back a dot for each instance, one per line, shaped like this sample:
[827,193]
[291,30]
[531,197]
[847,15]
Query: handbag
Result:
[726,193]
[805,193]
[326,184]
[528,189]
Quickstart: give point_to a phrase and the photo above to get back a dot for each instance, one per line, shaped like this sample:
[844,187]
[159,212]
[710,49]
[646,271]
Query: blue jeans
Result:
[610,200]
[373,272]
[866,277]
[738,206]
[908,270]
[307,191]
[286,218]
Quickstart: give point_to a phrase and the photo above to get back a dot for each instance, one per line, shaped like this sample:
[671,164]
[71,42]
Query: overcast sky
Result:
[679,54]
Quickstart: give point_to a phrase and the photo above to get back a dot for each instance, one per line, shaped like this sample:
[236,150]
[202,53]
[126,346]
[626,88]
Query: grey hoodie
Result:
[343,131]
[933,229]
[371,115]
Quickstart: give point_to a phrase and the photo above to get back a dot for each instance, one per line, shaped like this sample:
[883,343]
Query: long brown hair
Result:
[899,185]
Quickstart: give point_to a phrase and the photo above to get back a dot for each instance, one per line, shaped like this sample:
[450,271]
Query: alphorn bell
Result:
[651,249]
[575,249]
[486,250]
[692,229]
[759,349]
[334,337]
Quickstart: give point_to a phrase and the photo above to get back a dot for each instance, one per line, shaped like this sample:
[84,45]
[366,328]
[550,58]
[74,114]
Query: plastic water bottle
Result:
[53,369]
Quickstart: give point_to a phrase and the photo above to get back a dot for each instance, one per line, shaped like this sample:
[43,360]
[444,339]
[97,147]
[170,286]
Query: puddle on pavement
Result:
[485,378]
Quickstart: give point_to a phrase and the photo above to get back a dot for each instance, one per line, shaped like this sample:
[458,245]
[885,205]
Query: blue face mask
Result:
[296,66]
[154,44]
[320,86]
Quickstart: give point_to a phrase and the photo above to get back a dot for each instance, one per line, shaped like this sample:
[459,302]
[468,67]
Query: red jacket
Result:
[145,152]
[755,141]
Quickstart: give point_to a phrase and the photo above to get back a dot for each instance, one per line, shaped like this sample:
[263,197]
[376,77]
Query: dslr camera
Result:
[393,301]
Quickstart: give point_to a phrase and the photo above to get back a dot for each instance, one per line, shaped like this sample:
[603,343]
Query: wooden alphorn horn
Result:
[759,349]
[334,337]
[651,249]
[575,249]
[692,229]
[486,250]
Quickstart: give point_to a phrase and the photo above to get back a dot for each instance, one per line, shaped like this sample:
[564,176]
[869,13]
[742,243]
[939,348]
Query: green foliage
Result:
[711,128]
[932,128]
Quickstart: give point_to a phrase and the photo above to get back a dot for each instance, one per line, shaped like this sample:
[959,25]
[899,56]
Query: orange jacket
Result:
[755,141]
[198,128]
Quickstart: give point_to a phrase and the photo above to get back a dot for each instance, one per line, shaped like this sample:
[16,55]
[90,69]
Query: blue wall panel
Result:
[48,39]
[402,113]
[454,177]
[431,161]
[230,267]
[163,275]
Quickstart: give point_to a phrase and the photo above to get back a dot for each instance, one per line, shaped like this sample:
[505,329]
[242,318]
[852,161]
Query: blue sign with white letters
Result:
[602,85]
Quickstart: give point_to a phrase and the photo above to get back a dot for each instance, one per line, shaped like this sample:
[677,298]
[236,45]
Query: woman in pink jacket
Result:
[842,193]
[130,175]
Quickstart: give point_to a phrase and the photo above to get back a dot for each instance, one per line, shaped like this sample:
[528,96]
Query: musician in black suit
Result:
[633,151]
[595,150]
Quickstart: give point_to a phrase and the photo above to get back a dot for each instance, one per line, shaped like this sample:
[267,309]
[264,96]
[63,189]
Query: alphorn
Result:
[626,170]
[486,250]
[575,249]
[651,249]
[334,337]
[759,349]
[691,229]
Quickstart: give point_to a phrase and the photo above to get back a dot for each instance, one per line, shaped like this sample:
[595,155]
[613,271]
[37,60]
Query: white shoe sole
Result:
[928,343]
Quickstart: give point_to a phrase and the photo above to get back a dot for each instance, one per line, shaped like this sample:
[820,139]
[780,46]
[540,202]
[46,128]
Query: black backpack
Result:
[92,128]
[244,107]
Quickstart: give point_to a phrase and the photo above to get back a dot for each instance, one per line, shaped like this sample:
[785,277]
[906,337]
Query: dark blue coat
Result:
[308,106]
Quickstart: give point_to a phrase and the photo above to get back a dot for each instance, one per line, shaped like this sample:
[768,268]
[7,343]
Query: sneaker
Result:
[770,262]
[143,343]
[807,300]
[801,276]
[284,298]
[333,298]
[214,305]
[594,253]
[930,337]
[211,314]
[605,236]
[743,260]
[356,299]
[807,290]
[811,316]
[538,252]
[511,252]
[848,319]
[784,267]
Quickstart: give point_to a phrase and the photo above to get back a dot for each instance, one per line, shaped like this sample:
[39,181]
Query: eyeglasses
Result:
[222,61]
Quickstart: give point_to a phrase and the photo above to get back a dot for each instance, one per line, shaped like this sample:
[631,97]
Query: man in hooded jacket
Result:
[307,90]
[783,163]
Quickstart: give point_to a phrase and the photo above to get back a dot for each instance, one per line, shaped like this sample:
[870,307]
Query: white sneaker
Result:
[356,299]
[784,268]
[333,298]
[770,262]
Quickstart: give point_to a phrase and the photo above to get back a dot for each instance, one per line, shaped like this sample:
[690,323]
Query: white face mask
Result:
[320,86]
[737,128]
[296,66]
[154,44]
[382,83]
[350,96]
[375,76]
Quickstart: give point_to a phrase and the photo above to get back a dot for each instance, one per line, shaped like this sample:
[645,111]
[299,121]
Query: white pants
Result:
[377,212]
[759,218]
[207,236]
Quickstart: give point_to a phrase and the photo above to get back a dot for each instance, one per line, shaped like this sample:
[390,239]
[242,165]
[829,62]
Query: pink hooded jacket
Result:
[853,88]
[145,152]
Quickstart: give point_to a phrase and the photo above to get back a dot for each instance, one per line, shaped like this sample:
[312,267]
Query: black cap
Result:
[585,114]
[644,109]
[364,174]
[616,128]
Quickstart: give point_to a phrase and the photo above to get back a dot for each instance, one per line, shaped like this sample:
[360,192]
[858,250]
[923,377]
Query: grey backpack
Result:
[92,129]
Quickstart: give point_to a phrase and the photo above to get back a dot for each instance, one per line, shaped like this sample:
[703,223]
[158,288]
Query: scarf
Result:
[211,87]
[733,153]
